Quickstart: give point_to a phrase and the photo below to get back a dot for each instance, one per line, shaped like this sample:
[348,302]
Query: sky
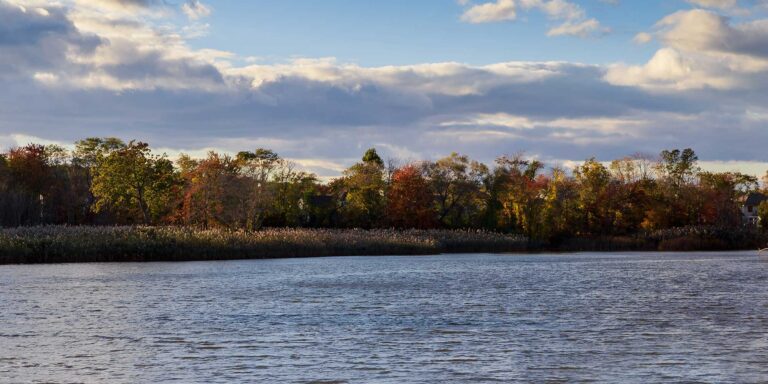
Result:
[321,81]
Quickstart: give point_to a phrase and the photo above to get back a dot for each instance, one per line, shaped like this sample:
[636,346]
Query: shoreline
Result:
[85,244]
[510,254]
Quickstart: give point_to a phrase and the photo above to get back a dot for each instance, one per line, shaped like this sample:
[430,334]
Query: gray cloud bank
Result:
[69,73]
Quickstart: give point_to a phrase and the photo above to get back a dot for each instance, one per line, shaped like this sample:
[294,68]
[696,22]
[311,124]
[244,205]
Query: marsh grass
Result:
[62,244]
[682,239]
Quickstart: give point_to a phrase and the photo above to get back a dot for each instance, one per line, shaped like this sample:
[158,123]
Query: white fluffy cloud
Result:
[579,28]
[643,38]
[722,4]
[501,10]
[573,20]
[702,49]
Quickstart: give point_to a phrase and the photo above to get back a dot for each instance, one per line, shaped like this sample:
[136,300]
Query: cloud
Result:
[702,50]
[573,17]
[36,39]
[72,71]
[698,30]
[581,29]
[501,10]
[194,9]
[129,3]
[722,4]
[110,8]
[642,38]
[83,48]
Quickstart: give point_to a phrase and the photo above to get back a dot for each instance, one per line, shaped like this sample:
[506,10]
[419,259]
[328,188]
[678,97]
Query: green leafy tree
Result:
[371,157]
[131,178]
[679,167]
[762,214]
[291,186]
[365,189]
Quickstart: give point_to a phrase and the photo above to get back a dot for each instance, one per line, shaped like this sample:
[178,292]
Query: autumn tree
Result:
[677,195]
[31,178]
[257,193]
[594,180]
[409,199]
[560,212]
[212,191]
[629,192]
[458,186]
[720,193]
[521,191]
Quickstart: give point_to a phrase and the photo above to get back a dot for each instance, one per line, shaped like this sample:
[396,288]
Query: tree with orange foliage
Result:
[409,200]
[212,188]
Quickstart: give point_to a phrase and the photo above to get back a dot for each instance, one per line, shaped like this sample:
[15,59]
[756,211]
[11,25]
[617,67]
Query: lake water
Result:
[629,318]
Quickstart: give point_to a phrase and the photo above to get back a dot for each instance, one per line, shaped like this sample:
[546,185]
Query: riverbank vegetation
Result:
[633,202]
[62,244]
[46,244]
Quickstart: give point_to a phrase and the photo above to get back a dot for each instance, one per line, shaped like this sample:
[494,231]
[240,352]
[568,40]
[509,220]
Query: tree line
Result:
[107,181]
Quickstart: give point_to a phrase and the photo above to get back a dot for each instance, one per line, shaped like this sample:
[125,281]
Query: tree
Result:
[719,194]
[364,192]
[560,211]
[458,185]
[521,192]
[628,192]
[762,214]
[212,191]
[679,167]
[371,157]
[632,169]
[409,199]
[257,192]
[675,199]
[31,178]
[131,179]
[290,186]
[594,180]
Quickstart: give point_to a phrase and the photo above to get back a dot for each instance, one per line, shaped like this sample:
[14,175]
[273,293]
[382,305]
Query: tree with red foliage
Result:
[31,178]
[409,200]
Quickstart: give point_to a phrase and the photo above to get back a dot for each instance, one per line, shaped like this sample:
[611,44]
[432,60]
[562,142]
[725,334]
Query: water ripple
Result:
[633,318]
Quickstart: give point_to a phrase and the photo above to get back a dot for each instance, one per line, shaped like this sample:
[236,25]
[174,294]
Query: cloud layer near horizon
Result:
[105,69]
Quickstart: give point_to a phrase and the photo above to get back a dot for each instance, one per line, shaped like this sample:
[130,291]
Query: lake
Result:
[629,318]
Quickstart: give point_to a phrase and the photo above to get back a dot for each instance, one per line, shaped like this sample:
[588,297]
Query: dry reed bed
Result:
[62,244]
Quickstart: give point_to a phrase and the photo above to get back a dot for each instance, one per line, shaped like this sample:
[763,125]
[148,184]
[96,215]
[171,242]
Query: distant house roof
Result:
[754,199]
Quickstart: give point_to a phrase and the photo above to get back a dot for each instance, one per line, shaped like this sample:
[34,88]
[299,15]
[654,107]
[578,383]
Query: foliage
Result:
[47,244]
[762,213]
[129,179]
[409,200]
[459,190]
[364,189]
[107,181]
